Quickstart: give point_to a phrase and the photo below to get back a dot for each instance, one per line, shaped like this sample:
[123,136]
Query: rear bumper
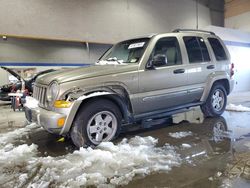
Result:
[46,119]
[231,85]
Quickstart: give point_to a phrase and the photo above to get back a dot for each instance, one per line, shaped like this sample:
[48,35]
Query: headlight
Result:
[53,91]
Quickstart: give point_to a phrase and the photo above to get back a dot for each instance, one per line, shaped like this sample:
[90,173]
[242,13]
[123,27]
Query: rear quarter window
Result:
[218,49]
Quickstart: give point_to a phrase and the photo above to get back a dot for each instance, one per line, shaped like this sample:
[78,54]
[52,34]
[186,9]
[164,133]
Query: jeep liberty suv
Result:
[136,80]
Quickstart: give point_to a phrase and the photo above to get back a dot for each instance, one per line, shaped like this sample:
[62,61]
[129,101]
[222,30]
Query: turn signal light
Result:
[60,122]
[62,104]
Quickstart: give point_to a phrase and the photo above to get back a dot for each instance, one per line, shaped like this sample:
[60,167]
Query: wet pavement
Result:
[217,154]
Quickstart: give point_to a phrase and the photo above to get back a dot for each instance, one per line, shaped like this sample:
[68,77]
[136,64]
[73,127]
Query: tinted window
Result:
[218,49]
[204,50]
[196,49]
[168,47]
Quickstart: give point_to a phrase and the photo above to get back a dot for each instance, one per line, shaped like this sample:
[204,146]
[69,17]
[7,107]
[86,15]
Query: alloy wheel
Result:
[218,99]
[102,126]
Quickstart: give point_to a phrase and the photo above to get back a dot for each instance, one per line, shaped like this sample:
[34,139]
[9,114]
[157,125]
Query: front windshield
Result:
[129,51]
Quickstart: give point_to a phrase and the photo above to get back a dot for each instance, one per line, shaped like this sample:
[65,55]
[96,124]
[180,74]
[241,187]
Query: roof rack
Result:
[192,30]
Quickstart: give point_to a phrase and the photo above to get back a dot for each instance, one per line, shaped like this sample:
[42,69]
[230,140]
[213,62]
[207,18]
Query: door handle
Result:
[210,67]
[179,71]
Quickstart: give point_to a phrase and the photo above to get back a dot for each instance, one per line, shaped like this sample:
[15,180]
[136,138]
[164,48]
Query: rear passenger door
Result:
[199,67]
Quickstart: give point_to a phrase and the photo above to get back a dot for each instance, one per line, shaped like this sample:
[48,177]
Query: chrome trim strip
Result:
[196,90]
[168,95]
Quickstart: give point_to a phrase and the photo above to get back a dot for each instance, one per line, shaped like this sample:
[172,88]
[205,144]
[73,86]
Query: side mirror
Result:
[157,61]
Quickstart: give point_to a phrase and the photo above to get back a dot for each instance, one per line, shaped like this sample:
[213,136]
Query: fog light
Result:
[60,122]
[62,104]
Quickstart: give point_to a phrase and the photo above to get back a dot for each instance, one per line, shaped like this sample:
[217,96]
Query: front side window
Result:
[218,49]
[169,49]
[126,52]
[196,49]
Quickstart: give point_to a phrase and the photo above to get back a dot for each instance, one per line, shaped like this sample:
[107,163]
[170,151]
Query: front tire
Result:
[97,121]
[216,102]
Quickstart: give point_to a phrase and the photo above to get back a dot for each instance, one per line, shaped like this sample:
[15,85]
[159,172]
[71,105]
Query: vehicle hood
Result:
[41,73]
[12,73]
[68,75]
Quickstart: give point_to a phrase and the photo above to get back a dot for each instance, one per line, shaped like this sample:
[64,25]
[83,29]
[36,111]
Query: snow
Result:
[237,108]
[184,145]
[107,165]
[12,136]
[181,134]
[31,102]
[110,61]
[98,93]
[218,174]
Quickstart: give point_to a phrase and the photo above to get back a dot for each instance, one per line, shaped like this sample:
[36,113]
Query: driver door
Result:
[164,85]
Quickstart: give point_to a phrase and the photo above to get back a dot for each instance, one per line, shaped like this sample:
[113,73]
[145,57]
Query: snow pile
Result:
[181,134]
[107,165]
[237,108]
[12,136]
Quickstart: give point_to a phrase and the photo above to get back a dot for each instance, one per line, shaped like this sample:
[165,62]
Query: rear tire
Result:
[97,121]
[216,102]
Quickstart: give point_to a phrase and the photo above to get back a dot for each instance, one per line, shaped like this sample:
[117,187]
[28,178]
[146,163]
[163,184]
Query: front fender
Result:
[77,103]
[75,106]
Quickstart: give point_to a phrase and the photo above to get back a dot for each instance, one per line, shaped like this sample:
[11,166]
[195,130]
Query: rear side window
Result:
[218,49]
[196,49]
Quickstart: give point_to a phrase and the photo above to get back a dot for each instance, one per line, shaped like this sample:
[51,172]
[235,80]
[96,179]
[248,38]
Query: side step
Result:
[164,113]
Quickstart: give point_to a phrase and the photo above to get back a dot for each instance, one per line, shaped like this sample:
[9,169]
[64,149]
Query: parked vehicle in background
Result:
[14,87]
[137,80]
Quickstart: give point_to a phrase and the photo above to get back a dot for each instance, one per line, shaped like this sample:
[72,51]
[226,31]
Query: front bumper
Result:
[49,119]
[45,118]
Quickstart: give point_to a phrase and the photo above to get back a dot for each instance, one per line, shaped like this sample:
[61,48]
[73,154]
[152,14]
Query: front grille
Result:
[39,93]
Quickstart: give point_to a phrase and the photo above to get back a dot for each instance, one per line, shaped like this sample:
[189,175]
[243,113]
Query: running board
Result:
[164,113]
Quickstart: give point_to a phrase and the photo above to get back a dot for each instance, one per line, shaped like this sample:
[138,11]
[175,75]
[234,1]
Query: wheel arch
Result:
[120,99]
[216,79]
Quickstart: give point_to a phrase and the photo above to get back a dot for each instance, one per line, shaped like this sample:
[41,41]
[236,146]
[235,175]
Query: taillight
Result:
[232,70]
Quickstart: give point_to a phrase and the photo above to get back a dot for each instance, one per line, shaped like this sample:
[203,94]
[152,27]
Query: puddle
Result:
[213,153]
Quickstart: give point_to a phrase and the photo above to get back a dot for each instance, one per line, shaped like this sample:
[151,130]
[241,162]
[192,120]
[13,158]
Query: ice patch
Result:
[237,108]
[108,165]
[181,134]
